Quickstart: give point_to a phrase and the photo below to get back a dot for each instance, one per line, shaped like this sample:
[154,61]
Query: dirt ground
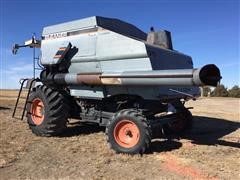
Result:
[210,151]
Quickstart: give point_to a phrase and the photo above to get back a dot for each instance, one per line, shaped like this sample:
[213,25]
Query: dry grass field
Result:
[210,151]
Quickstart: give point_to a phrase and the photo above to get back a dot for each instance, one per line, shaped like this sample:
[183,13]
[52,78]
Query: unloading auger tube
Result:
[207,75]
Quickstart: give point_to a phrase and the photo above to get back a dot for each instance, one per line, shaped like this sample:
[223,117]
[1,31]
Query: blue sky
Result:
[206,30]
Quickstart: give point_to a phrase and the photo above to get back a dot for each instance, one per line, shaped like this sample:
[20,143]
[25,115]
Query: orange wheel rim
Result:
[126,133]
[37,111]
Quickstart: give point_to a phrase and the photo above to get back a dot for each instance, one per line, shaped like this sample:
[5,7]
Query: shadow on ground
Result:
[205,131]
[209,131]
[77,129]
[4,108]
[162,146]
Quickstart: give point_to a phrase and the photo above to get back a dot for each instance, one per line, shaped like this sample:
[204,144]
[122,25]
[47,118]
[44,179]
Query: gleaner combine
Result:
[109,72]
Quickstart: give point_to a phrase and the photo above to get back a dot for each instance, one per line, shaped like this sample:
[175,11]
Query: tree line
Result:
[221,91]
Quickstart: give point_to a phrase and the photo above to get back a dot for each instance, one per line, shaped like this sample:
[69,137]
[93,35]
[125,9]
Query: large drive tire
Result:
[47,111]
[129,132]
[182,125]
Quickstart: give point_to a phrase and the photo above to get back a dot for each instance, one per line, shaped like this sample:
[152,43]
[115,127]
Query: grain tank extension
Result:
[108,72]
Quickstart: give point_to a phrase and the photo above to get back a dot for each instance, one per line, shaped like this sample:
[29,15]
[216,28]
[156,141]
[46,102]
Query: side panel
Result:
[85,67]
[120,53]
[85,46]
[88,92]
[114,52]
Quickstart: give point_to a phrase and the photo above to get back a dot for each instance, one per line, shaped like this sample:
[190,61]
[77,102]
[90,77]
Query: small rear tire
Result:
[47,111]
[129,132]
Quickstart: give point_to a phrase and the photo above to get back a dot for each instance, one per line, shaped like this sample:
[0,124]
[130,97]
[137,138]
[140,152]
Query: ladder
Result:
[29,84]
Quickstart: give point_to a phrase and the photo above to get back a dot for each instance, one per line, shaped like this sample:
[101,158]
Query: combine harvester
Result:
[109,72]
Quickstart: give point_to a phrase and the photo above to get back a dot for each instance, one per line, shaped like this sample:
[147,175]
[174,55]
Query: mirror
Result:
[15,48]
